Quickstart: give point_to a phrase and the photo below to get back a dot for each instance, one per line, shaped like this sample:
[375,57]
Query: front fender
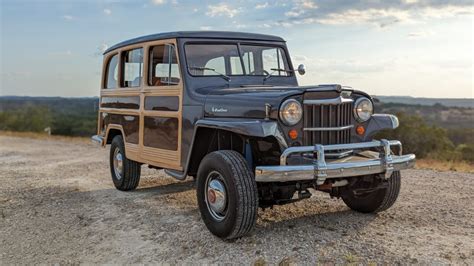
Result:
[248,127]
[380,122]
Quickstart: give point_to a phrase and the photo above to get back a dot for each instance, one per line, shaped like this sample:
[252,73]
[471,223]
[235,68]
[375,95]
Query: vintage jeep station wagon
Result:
[226,108]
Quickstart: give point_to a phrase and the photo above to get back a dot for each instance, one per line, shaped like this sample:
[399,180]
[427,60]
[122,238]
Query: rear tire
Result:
[227,194]
[376,201]
[125,172]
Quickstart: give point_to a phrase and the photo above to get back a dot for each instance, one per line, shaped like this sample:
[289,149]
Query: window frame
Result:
[105,71]
[122,66]
[239,44]
[149,58]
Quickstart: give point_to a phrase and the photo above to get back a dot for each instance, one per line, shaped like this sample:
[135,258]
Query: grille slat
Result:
[327,116]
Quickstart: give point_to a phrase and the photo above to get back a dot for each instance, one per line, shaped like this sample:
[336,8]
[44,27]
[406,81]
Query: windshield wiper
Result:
[275,70]
[227,78]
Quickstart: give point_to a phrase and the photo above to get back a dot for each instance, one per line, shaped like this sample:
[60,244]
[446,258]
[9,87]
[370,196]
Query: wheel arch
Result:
[112,131]
[211,135]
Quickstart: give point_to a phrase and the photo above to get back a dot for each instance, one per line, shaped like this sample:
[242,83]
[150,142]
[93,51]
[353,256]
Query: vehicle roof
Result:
[198,34]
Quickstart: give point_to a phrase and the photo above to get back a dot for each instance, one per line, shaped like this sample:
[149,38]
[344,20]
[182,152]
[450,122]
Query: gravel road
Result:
[58,205]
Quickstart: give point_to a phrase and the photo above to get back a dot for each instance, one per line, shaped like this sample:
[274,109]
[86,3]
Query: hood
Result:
[250,101]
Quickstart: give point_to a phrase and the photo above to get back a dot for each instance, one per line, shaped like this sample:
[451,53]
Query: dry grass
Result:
[439,165]
[35,135]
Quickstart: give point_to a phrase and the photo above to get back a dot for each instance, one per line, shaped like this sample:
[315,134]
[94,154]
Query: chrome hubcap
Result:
[216,196]
[118,163]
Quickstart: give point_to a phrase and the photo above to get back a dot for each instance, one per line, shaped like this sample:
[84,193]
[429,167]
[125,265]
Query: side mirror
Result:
[301,69]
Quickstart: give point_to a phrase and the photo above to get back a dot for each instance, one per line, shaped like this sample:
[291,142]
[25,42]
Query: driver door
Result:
[161,96]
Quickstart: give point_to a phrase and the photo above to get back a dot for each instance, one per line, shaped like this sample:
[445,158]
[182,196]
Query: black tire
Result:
[376,201]
[128,178]
[241,204]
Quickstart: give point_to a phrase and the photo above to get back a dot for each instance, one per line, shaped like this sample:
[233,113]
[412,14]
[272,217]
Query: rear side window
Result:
[164,68]
[132,65]
[111,73]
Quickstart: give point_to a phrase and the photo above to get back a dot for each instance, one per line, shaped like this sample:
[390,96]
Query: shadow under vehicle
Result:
[226,108]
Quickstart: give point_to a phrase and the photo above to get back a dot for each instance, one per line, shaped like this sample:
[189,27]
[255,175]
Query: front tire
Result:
[125,172]
[227,194]
[376,201]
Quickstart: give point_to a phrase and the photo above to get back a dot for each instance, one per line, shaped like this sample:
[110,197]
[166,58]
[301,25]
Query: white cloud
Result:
[283,24]
[221,9]
[294,13]
[380,17]
[195,10]
[158,2]
[68,17]
[419,34]
[307,4]
[264,25]
[382,14]
[261,6]
[299,58]
[107,11]
[300,7]
[205,28]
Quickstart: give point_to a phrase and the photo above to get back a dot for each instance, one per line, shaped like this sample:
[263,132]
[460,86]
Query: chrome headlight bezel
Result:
[363,109]
[285,113]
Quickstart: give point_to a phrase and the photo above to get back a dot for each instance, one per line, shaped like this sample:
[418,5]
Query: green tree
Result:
[30,118]
[420,138]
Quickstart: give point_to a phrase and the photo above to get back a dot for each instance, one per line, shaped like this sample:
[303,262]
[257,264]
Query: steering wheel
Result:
[257,72]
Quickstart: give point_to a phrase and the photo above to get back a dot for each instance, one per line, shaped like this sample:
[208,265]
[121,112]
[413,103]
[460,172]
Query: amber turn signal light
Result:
[360,130]
[293,134]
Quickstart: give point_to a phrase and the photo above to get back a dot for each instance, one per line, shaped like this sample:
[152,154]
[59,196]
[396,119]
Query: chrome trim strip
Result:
[321,170]
[333,101]
[99,140]
[327,128]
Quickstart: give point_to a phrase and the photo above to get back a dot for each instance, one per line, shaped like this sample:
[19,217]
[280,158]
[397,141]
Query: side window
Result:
[164,68]
[132,65]
[272,59]
[111,73]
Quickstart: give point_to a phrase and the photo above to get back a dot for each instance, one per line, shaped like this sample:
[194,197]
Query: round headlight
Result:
[363,109]
[291,112]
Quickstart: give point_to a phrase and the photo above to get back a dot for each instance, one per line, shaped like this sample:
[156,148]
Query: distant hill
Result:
[461,102]
[67,105]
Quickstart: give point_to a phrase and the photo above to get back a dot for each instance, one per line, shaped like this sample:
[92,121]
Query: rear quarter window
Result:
[111,73]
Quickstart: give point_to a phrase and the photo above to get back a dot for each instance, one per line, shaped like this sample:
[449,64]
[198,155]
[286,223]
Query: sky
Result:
[419,48]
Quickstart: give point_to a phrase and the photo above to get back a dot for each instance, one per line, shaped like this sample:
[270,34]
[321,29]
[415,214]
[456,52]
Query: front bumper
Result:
[361,162]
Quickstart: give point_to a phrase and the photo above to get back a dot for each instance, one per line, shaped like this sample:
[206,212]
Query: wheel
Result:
[125,172]
[375,201]
[227,194]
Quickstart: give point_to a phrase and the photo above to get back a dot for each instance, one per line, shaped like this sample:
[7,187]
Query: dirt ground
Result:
[58,205]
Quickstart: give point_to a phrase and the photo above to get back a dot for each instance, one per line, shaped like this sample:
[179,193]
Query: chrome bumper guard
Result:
[97,139]
[358,164]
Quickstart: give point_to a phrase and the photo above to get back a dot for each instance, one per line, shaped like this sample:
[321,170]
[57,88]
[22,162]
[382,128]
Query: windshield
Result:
[226,60]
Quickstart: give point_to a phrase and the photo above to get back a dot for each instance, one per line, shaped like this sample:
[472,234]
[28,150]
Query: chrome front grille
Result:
[327,121]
